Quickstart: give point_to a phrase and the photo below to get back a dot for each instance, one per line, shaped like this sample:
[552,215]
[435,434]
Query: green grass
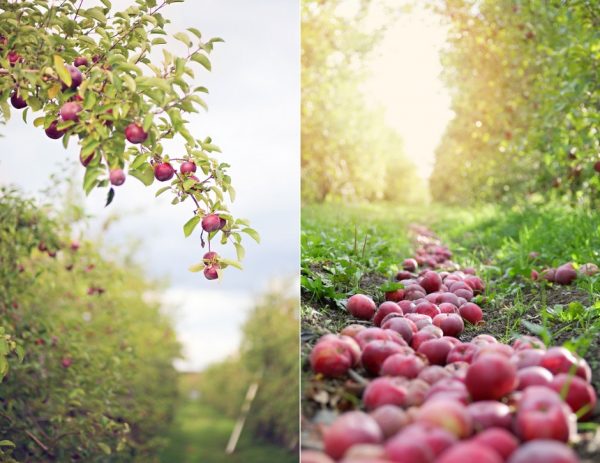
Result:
[199,435]
[358,247]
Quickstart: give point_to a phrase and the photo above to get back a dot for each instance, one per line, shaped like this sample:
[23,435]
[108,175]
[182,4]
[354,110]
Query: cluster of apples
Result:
[445,401]
[564,274]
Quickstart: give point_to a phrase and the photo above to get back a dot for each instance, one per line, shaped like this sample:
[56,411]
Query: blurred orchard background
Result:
[459,101]
[119,329]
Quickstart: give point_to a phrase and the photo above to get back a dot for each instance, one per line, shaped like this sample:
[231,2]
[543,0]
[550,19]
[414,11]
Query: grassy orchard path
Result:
[356,249]
[199,434]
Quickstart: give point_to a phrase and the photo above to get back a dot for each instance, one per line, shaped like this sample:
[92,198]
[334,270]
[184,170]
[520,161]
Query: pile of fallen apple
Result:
[434,398]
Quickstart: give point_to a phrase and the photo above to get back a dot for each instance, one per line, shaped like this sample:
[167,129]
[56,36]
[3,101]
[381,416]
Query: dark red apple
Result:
[76,76]
[53,132]
[187,167]
[80,61]
[134,133]
[565,274]
[163,171]
[409,265]
[17,101]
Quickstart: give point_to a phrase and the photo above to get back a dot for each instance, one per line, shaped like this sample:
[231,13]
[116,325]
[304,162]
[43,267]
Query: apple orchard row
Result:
[436,399]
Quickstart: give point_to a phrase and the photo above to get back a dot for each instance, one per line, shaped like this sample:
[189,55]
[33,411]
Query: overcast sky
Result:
[254,117]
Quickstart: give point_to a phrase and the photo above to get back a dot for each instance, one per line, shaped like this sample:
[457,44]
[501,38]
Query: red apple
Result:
[116,177]
[375,353]
[409,265]
[163,171]
[384,309]
[80,61]
[578,393]
[350,429]
[471,312]
[135,133]
[17,101]
[462,353]
[490,414]
[331,357]
[499,439]
[433,373]
[541,414]
[491,376]
[565,274]
[53,132]
[402,326]
[385,391]
[451,324]
[405,365]
[361,306]
[431,281]
[187,167]
[70,111]
[390,419]
[544,451]
[211,272]
[447,414]
[436,350]
[470,451]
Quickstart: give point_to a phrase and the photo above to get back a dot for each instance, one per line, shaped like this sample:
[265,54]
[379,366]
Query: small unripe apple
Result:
[76,76]
[117,177]
[134,133]
[70,111]
[211,223]
[211,272]
[53,132]
[80,61]
[187,167]
[17,101]
[163,171]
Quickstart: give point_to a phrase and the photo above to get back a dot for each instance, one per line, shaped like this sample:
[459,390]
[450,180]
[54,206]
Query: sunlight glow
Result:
[405,79]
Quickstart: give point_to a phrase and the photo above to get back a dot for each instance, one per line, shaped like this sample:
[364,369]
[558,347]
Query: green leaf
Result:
[252,233]
[61,70]
[239,249]
[189,226]
[90,179]
[233,263]
[161,191]
[202,59]
[145,174]
[184,38]
[195,31]
[197,267]
[391,286]
[7,443]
